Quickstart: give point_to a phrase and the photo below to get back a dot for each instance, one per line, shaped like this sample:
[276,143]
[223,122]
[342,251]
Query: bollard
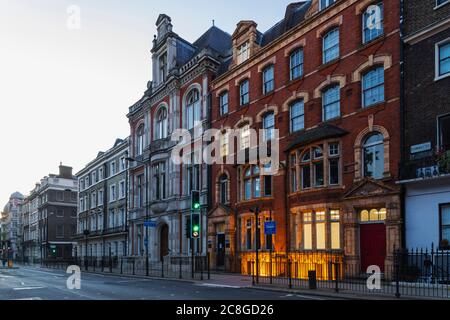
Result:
[181,269]
[162,268]
[121,266]
[134,265]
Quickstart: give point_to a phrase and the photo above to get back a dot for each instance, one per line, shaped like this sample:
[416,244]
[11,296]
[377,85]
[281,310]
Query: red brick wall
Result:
[353,118]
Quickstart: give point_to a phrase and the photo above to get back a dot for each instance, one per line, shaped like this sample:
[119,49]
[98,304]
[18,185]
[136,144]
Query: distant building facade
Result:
[425,167]
[102,204]
[11,230]
[49,217]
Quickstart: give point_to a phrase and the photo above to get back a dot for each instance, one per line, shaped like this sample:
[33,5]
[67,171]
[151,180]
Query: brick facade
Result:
[350,129]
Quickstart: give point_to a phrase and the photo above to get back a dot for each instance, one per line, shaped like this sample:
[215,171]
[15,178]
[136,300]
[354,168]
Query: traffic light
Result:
[195,225]
[195,199]
[53,251]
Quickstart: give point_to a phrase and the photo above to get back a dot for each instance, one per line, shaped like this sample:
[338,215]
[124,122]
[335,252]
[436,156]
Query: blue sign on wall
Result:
[150,224]
[270,227]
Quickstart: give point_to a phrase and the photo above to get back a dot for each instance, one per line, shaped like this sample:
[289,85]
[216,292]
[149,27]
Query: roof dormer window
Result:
[326,3]
[243,53]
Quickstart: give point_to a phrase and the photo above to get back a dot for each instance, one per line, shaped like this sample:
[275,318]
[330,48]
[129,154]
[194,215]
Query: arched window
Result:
[244,92]
[296,64]
[269,126]
[252,183]
[193,109]
[373,87]
[223,189]
[373,156]
[161,124]
[244,141]
[331,103]
[372,22]
[312,167]
[140,140]
[297,116]
[268,79]
[331,46]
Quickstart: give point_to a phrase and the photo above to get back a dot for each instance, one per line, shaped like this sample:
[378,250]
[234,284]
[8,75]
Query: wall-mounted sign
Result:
[421,147]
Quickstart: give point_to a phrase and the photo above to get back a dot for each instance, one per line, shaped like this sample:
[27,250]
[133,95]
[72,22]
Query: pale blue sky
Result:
[64,94]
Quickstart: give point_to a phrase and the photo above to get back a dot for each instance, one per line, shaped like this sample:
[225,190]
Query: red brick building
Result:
[327,77]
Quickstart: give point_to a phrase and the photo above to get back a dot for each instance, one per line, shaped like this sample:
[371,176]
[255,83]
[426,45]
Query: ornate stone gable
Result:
[370,188]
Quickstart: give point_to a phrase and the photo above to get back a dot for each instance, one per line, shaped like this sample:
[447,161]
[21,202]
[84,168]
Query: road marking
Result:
[28,288]
[214,285]
[309,297]
[34,298]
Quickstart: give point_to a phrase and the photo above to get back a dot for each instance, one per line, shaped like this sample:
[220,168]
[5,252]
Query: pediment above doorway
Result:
[219,211]
[370,188]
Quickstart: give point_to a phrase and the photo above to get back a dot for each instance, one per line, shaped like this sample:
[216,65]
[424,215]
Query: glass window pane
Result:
[307,237]
[382,214]
[318,170]
[306,177]
[374,215]
[445,214]
[334,171]
[320,236]
[335,235]
[364,216]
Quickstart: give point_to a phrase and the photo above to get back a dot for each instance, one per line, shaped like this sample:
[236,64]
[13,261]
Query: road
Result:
[34,283]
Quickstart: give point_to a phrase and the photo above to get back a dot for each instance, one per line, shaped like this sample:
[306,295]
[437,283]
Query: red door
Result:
[373,245]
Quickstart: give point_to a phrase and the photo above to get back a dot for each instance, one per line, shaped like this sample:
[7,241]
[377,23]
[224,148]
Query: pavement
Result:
[36,283]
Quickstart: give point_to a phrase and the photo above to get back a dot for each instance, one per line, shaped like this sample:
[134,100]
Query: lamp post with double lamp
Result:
[146,242]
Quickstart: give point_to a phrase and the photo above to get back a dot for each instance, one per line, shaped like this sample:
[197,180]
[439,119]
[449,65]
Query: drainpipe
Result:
[402,122]
[286,205]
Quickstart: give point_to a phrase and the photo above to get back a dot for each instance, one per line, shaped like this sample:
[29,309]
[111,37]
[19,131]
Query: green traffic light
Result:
[197,206]
[196,228]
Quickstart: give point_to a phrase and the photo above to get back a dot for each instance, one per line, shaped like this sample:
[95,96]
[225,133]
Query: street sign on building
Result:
[150,224]
[270,227]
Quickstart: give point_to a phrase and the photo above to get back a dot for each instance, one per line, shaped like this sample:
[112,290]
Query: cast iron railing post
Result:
[201,268]
[253,272]
[336,270]
[110,260]
[209,265]
[397,273]
[289,273]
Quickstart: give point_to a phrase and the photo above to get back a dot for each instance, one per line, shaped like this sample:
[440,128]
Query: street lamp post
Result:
[146,241]
[86,234]
[256,212]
